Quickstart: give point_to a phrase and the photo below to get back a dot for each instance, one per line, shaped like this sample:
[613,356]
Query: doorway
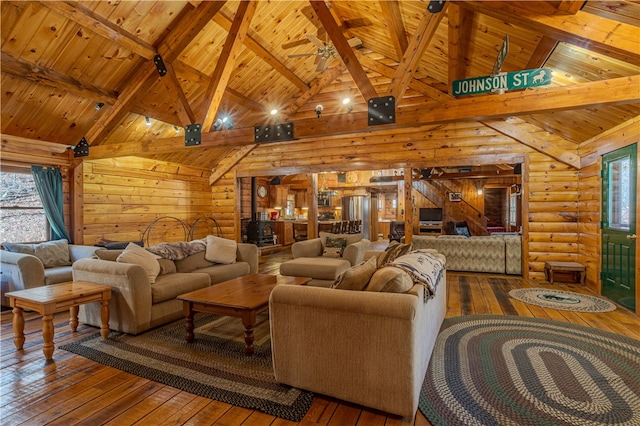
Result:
[619,194]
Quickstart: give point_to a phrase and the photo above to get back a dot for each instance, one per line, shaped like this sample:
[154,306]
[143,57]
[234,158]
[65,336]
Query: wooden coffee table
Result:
[49,299]
[241,297]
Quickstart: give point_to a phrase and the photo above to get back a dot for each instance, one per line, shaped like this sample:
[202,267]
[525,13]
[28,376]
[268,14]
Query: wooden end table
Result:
[241,297]
[578,269]
[49,299]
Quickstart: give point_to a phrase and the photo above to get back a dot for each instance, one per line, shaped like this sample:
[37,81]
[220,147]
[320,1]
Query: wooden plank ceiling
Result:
[61,59]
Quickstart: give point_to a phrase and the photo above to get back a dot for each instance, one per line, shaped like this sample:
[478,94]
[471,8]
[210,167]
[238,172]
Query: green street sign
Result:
[503,81]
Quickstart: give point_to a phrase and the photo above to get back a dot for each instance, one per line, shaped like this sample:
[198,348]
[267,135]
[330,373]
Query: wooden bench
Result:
[578,269]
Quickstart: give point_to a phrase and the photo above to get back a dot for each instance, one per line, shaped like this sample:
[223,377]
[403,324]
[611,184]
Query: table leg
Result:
[188,315]
[18,328]
[104,317]
[73,318]
[249,322]
[47,336]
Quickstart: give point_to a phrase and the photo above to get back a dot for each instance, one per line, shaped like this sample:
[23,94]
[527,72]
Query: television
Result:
[430,214]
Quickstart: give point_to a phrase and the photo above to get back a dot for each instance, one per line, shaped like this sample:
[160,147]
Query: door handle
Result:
[631,237]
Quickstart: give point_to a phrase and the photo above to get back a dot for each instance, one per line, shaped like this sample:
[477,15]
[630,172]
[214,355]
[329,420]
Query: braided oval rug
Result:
[510,370]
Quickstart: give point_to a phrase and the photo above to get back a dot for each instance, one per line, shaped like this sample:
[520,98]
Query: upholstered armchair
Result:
[316,259]
[396,231]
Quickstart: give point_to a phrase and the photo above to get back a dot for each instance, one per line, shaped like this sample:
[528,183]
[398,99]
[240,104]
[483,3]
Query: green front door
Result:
[619,225]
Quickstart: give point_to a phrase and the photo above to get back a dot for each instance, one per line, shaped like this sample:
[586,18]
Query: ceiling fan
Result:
[325,51]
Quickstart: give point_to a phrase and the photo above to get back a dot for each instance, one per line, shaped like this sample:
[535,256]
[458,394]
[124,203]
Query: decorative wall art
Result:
[455,196]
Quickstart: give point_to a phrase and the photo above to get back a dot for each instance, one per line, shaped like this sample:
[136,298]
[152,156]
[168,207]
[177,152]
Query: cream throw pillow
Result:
[390,280]
[356,277]
[220,250]
[53,253]
[137,255]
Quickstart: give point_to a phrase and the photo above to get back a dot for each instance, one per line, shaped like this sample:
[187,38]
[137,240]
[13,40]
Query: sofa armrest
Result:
[355,252]
[130,306]
[307,248]
[249,253]
[360,333]
[78,251]
[20,271]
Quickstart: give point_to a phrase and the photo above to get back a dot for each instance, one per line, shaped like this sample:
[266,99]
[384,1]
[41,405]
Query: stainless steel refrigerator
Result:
[356,207]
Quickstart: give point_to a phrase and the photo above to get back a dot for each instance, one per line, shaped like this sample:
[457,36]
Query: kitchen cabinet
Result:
[284,231]
[279,195]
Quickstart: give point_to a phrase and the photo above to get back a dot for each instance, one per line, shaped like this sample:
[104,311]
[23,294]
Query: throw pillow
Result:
[390,280]
[351,238]
[19,248]
[135,254]
[356,277]
[110,255]
[167,266]
[334,247]
[220,250]
[53,253]
[394,250]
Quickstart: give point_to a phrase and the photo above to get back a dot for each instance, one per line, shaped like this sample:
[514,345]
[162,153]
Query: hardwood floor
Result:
[74,390]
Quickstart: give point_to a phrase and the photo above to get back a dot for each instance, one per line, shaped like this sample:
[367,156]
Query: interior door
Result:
[619,225]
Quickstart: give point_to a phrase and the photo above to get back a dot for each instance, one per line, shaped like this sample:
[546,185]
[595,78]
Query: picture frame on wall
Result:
[455,196]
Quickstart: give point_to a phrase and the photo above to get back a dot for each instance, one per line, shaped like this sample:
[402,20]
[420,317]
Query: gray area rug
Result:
[509,370]
[214,365]
[564,300]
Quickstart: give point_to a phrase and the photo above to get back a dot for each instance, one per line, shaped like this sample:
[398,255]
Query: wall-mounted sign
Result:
[505,81]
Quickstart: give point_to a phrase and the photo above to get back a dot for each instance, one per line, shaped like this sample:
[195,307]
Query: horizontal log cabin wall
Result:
[590,197]
[123,196]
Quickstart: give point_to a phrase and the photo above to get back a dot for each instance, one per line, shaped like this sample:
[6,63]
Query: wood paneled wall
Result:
[589,199]
[123,196]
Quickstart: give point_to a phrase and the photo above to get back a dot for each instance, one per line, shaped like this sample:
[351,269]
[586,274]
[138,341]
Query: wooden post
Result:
[312,203]
[408,205]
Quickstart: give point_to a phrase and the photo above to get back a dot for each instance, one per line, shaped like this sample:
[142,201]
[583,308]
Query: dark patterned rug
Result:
[510,370]
[213,366]
[564,300]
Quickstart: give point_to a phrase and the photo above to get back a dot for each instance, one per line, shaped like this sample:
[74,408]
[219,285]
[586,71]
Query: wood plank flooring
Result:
[74,390]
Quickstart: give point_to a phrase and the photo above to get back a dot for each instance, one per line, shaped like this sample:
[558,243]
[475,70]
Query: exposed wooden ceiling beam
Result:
[459,48]
[183,109]
[544,49]
[229,161]
[615,91]
[18,67]
[264,54]
[344,50]
[539,139]
[226,62]
[570,6]
[610,38]
[417,45]
[79,14]
[169,48]
[393,15]
[323,80]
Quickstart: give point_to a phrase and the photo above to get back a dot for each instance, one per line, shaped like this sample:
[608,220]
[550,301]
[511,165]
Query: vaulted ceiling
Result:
[62,59]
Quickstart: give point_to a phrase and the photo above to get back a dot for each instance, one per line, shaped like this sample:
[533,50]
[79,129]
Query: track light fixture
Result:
[148,121]
[319,109]
[99,106]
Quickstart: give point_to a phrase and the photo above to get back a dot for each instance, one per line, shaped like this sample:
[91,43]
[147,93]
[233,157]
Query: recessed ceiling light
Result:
[274,111]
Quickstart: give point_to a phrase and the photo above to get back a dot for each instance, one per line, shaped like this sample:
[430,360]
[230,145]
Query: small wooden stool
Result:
[575,267]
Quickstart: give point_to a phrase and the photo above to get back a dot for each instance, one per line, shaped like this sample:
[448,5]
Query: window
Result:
[22,217]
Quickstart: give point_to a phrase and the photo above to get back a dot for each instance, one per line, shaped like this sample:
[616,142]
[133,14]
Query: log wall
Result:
[589,200]
[123,196]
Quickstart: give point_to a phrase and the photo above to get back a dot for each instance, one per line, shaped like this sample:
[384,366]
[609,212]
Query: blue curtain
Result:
[49,186]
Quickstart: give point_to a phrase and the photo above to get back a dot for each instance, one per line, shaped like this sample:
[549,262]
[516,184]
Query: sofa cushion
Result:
[319,268]
[19,248]
[393,250]
[334,247]
[139,256]
[193,262]
[167,266]
[168,287]
[391,280]
[219,272]
[220,250]
[53,253]
[58,274]
[356,277]
[105,254]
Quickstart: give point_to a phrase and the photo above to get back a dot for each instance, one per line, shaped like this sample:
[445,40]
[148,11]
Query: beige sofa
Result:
[308,259]
[367,347]
[36,265]
[138,305]
[501,254]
